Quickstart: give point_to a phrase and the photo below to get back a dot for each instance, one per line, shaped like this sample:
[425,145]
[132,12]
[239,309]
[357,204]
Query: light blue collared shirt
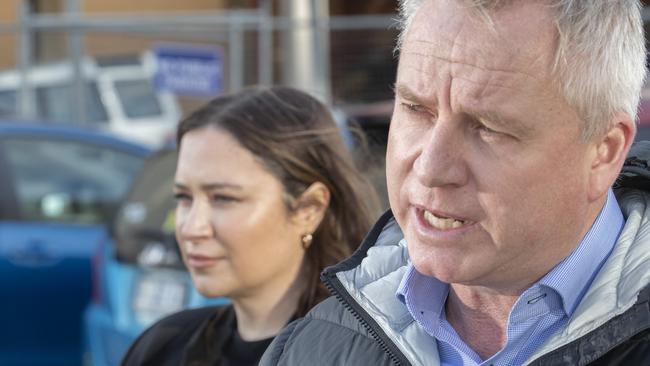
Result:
[537,314]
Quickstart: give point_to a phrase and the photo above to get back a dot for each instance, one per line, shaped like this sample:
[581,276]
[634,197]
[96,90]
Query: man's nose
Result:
[197,221]
[441,161]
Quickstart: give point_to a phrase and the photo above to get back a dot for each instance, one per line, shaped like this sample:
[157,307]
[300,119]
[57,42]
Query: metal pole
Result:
[150,21]
[303,67]
[75,49]
[265,44]
[206,21]
[236,59]
[26,97]
[322,48]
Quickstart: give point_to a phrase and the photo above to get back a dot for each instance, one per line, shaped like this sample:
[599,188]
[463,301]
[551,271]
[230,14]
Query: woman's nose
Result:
[196,221]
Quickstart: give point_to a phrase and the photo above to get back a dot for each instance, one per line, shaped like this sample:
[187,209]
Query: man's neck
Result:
[479,314]
[480,317]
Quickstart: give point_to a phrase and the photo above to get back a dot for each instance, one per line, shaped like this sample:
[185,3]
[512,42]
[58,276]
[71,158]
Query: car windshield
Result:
[54,103]
[147,216]
[68,181]
[138,98]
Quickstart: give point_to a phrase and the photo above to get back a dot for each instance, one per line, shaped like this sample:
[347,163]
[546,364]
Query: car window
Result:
[147,215]
[53,103]
[138,98]
[66,181]
[8,106]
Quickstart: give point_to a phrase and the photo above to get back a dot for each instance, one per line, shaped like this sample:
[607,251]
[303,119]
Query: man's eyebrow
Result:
[211,186]
[490,117]
[509,124]
[406,93]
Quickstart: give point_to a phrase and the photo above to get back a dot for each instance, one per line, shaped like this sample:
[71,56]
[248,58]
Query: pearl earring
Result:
[306,240]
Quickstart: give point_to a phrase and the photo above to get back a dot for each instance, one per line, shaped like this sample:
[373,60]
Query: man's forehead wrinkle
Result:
[423,70]
[458,61]
[495,74]
[485,86]
[423,66]
[460,40]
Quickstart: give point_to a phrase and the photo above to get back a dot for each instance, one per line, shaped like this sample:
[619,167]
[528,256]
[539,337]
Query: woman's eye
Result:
[219,198]
[182,197]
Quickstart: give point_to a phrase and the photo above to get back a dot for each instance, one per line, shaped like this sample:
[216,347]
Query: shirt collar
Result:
[573,275]
[424,297]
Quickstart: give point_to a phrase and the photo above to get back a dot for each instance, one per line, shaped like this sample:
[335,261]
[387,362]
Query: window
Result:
[138,98]
[67,181]
[54,103]
[8,103]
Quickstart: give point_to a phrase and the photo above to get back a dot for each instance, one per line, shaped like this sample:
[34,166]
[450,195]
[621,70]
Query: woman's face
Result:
[235,232]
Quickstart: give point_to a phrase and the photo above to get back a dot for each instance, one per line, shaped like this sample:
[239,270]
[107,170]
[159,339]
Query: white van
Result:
[119,97]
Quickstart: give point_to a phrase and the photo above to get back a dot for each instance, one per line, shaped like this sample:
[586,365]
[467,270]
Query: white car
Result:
[119,97]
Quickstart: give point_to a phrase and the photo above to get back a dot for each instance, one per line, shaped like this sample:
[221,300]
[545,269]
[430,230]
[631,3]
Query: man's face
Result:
[487,175]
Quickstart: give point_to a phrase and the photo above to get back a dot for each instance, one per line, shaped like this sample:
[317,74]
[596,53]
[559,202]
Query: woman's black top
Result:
[198,337]
[240,352]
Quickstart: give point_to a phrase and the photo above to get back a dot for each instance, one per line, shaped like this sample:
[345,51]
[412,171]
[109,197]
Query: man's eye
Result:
[485,131]
[414,108]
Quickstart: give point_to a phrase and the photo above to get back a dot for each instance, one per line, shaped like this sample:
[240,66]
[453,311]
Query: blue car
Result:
[139,276]
[59,187]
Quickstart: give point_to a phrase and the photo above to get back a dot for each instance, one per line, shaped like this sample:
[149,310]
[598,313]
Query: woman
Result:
[267,196]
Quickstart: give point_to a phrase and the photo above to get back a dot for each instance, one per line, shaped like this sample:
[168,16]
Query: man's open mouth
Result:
[443,223]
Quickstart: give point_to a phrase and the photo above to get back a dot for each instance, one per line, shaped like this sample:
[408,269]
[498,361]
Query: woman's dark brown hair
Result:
[297,140]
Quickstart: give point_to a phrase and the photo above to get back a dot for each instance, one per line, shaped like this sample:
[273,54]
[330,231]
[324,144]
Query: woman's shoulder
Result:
[167,339]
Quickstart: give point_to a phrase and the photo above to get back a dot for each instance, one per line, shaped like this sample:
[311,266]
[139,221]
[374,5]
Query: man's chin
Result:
[442,272]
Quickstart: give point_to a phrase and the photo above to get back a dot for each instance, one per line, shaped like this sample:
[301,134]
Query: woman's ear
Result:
[311,206]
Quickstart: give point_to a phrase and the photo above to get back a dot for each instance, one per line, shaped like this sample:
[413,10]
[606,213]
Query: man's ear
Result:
[610,152]
[311,206]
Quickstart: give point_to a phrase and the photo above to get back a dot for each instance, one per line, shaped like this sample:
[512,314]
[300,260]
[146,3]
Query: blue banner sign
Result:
[189,70]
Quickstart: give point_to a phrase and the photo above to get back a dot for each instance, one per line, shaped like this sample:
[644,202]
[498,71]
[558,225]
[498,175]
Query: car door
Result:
[57,194]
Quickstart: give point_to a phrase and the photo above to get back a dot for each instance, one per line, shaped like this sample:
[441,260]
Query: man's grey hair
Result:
[599,58]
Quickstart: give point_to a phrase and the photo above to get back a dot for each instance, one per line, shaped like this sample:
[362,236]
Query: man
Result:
[512,121]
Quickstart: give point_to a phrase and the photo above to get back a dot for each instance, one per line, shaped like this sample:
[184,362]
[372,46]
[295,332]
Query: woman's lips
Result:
[201,261]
